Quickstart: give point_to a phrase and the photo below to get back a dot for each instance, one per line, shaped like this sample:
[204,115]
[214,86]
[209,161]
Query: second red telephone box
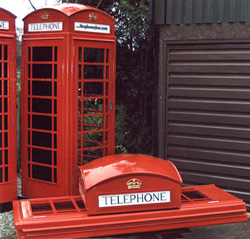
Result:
[68,90]
[8,169]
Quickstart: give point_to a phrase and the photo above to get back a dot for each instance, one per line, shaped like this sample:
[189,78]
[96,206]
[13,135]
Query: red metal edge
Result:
[219,208]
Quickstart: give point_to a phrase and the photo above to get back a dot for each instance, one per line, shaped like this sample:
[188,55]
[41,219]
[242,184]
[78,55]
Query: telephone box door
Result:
[41,86]
[7,120]
[95,73]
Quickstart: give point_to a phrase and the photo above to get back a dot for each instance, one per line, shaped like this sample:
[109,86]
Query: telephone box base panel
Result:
[66,217]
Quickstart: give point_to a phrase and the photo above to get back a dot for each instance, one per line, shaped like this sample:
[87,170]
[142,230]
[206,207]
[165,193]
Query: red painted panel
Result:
[67,217]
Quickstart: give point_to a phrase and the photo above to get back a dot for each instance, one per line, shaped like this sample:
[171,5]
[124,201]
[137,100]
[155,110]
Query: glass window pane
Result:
[5,104]
[5,70]
[5,52]
[1,175]
[6,140]
[5,122]
[93,72]
[43,53]
[80,54]
[6,156]
[1,158]
[42,173]
[29,54]
[93,123]
[42,105]
[42,156]
[6,174]
[43,88]
[107,55]
[41,122]
[55,55]
[95,55]
[5,87]
[93,89]
[42,71]
[42,139]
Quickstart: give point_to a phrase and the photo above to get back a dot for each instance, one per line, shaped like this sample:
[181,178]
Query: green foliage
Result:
[134,74]
[134,88]
[121,129]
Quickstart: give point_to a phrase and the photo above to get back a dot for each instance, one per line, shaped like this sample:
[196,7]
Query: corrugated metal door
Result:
[207,132]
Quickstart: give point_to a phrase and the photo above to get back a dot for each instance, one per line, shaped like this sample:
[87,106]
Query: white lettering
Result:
[46,26]
[134,199]
[4,25]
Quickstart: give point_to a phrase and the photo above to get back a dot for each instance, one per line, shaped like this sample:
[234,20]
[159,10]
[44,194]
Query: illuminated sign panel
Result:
[90,27]
[134,199]
[45,27]
[4,25]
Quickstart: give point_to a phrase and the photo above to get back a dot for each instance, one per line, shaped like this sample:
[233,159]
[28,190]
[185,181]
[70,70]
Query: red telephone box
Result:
[68,92]
[8,191]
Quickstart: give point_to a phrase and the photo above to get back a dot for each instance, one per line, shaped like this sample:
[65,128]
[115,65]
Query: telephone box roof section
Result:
[72,18]
[7,21]
[167,12]
[113,166]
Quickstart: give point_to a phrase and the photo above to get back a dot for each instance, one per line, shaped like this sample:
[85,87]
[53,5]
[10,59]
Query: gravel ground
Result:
[7,230]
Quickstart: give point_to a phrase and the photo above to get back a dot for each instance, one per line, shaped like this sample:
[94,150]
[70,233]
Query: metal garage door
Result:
[207,126]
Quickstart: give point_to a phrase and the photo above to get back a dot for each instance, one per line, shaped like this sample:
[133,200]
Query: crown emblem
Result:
[45,16]
[92,17]
[134,183]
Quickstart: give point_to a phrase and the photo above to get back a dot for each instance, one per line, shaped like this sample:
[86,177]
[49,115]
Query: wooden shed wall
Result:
[204,104]
[200,11]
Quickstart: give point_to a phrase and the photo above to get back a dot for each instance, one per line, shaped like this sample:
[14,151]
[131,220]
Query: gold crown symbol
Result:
[134,183]
[45,16]
[92,17]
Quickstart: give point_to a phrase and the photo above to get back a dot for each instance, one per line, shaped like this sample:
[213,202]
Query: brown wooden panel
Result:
[209,105]
[233,81]
[210,55]
[220,181]
[209,93]
[209,142]
[209,130]
[212,168]
[210,117]
[215,67]
[213,155]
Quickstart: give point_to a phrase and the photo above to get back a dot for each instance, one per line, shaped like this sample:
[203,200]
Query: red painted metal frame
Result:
[115,171]
[8,169]
[66,217]
[65,154]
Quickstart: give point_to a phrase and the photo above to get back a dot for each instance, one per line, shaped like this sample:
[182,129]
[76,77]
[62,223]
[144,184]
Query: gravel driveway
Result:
[7,230]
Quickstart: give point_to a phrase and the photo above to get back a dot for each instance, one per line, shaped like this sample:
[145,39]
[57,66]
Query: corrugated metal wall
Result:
[200,11]
[208,114]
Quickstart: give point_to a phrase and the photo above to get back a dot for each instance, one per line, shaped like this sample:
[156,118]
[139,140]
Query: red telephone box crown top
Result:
[69,17]
[7,21]
[125,164]
[129,182]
